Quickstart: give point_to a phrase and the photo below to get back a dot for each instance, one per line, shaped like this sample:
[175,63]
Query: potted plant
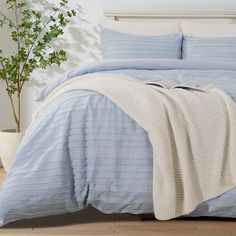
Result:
[33,32]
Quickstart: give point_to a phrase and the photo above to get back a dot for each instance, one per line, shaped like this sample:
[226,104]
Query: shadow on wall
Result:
[81,41]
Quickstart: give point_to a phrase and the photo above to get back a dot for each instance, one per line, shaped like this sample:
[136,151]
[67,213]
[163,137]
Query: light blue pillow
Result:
[209,48]
[116,45]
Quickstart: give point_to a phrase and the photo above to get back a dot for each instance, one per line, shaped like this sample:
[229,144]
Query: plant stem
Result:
[19,112]
[17,120]
[7,19]
[18,98]
[36,41]
[15,115]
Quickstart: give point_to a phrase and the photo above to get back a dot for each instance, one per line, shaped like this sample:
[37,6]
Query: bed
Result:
[82,149]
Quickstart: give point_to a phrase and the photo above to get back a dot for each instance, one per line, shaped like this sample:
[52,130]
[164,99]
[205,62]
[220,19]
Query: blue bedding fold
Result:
[137,64]
[82,149]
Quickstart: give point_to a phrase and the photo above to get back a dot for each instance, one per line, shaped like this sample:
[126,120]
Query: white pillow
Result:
[208,30]
[146,29]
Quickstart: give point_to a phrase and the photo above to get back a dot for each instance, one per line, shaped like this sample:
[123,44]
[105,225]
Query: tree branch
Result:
[17,15]
[36,41]
[12,103]
[7,19]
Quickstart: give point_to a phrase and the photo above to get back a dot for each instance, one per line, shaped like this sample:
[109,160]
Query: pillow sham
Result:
[203,30]
[116,45]
[148,29]
[209,48]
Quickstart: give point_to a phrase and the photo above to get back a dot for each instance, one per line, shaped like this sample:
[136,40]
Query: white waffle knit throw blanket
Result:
[192,132]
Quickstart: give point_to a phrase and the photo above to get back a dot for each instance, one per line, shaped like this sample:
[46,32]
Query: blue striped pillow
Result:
[209,48]
[116,45]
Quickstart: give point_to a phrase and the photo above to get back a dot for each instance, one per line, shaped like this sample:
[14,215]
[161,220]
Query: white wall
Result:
[82,40]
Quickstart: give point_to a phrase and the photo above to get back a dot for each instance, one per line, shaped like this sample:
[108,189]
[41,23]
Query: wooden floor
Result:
[91,222]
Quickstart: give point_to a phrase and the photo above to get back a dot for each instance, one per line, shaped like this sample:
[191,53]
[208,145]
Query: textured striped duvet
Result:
[82,149]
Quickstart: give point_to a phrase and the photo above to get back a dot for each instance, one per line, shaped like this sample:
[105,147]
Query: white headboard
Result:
[160,16]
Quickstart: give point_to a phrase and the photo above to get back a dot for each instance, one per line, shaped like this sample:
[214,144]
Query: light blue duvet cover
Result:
[82,149]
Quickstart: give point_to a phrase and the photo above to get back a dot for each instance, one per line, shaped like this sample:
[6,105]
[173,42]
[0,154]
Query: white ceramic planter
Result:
[9,142]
